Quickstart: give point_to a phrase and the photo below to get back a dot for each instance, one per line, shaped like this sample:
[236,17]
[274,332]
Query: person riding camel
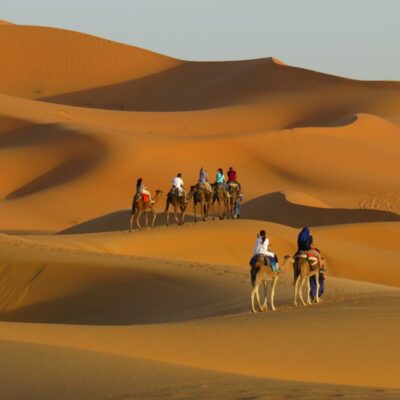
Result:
[232,178]
[178,185]
[220,179]
[203,179]
[261,248]
[142,192]
[305,243]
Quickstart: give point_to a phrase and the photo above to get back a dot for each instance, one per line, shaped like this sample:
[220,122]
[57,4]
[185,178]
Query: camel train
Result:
[308,265]
[227,195]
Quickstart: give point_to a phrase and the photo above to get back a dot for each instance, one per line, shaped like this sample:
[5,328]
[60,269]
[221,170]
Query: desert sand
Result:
[90,310]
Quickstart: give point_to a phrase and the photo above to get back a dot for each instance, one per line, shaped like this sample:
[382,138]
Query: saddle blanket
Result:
[145,197]
[309,256]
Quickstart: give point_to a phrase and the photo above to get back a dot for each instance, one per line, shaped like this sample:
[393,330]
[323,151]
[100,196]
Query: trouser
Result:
[313,285]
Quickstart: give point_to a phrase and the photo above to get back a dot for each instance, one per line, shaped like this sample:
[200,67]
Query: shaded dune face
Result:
[275,207]
[79,154]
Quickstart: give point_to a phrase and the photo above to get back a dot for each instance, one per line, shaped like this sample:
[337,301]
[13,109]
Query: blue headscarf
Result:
[303,240]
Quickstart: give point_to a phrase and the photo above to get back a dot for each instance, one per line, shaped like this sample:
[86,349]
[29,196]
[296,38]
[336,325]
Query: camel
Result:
[304,268]
[203,197]
[221,196]
[176,201]
[233,190]
[264,275]
[139,207]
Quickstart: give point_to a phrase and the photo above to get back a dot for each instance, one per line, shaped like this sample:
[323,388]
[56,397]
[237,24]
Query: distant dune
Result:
[89,310]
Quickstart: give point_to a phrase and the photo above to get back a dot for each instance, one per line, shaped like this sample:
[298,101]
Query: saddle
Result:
[305,255]
[233,185]
[201,186]
[142,196]
[176,192]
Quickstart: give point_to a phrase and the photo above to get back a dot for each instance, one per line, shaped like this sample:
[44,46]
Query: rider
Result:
[305,243]
[232,178]
[261,247]
[203,179]
[177,184]
[141,191]
[220,178]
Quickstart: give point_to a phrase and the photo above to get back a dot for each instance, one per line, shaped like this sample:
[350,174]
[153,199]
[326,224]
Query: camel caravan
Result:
[226,196]
[308,265]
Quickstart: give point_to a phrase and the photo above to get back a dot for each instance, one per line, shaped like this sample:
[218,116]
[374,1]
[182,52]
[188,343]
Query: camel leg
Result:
[265,305]
[194,210]
[183,212]
[317,288]
[258,298]
[274,282]
[139,214]
[303,280]
[296,290]
[175,216]
[154,218]
[213,210]
[147,218]
[131,221]
[167,212]
[308,291]
[167,217]
[253,294]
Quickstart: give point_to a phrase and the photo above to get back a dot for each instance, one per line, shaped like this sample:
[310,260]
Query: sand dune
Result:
[90,310]
[47,283]
[43,62]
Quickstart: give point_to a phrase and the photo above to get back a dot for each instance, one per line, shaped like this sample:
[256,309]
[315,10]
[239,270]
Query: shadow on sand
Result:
[274,207]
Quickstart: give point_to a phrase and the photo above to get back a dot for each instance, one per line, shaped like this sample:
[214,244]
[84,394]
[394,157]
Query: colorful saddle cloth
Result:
[310,257]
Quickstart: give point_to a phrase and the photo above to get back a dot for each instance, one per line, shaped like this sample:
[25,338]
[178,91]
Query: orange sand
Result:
[94,307]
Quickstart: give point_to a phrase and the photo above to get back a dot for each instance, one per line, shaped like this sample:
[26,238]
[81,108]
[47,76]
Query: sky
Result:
[353,38]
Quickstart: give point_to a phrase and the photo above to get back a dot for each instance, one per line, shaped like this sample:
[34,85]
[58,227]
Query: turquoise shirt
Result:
[220,178]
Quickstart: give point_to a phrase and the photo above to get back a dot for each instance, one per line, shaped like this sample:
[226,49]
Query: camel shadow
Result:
[274,207]
[115,222]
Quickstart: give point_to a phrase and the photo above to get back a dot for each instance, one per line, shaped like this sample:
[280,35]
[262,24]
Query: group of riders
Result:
[305,242]
[178,186]
[305,247]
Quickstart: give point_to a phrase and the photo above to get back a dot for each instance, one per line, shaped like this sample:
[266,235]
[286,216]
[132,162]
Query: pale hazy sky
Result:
[354,38]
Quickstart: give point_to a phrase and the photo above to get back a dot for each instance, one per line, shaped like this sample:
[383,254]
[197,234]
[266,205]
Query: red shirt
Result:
[232,176]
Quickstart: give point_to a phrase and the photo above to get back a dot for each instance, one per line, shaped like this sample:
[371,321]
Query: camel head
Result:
[158,195]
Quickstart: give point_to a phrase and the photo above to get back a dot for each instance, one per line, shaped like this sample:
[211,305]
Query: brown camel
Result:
[304,268]
[203,197]
[140,206]
[233,190]
[221,196]
[176,201]
[264,275]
